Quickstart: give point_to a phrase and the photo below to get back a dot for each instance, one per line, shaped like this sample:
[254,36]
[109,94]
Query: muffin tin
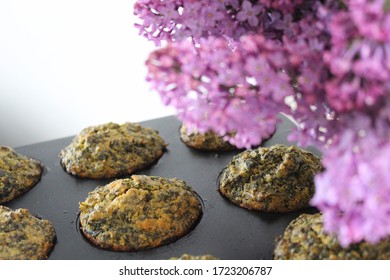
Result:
[225,230]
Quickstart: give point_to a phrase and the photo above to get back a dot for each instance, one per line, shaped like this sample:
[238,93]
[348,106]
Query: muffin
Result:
[192,257]
[209,141]
[139,213]
[111,150]
[18,174]
[305,239]
[274,179]
[23,236]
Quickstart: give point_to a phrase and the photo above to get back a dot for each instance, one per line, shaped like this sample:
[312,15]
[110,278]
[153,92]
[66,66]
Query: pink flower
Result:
[230,65]
[359,64]
[217,81]
[354,192]
[371,18]
[213,13]
[257,66]
[249,13]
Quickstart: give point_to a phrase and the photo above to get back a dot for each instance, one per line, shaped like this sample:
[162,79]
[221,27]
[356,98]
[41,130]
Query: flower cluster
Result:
[177,20]
[226,88]
[359,58]
[354,192]
[247,57]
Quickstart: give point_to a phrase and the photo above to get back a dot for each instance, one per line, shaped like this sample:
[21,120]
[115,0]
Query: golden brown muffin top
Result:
[23,236]
[306,239]
[270,179]
[18,174]
[111,150]
[140,212]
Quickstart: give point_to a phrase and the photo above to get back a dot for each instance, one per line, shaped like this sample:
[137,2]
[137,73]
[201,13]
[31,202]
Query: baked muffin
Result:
[209,141]
[192,257]
[305,239]
[139,213]
[18,174]
[23,236]
[274,179]
[111,150]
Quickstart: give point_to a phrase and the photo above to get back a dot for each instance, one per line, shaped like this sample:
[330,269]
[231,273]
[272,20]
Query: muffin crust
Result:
[18,174]
[23,236]
[305,239]
[111,150]
[274,179]
[139,213]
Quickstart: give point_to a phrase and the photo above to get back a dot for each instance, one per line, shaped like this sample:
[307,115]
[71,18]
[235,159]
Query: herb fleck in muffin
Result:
[305,239]
[139,213]
[18,174]
[274,179]
[192,257]
[209,141]
[23,236]
[111,150]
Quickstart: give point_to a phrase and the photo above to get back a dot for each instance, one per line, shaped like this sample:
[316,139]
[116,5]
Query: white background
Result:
[69,64]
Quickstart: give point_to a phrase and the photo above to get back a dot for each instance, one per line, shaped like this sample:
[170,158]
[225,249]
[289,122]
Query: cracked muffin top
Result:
[18,174]
[111,150]
[306,239]
[209,141]
[23,236]
[139,213]
[273,179]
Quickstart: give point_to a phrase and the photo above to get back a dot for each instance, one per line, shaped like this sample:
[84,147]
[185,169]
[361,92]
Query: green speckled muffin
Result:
[192,257]
[139,213]
[274,179]
[23,236]
[18,174]
[111,150]
[209,141]
[305,239]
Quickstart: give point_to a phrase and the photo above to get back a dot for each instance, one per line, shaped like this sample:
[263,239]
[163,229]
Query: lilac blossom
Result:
[249,12]
[177,20]
[215,87]
[359,65]
[354,192]
[371,18]
[245,58]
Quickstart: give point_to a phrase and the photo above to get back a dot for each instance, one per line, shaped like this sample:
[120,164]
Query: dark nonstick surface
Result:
[225,230]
